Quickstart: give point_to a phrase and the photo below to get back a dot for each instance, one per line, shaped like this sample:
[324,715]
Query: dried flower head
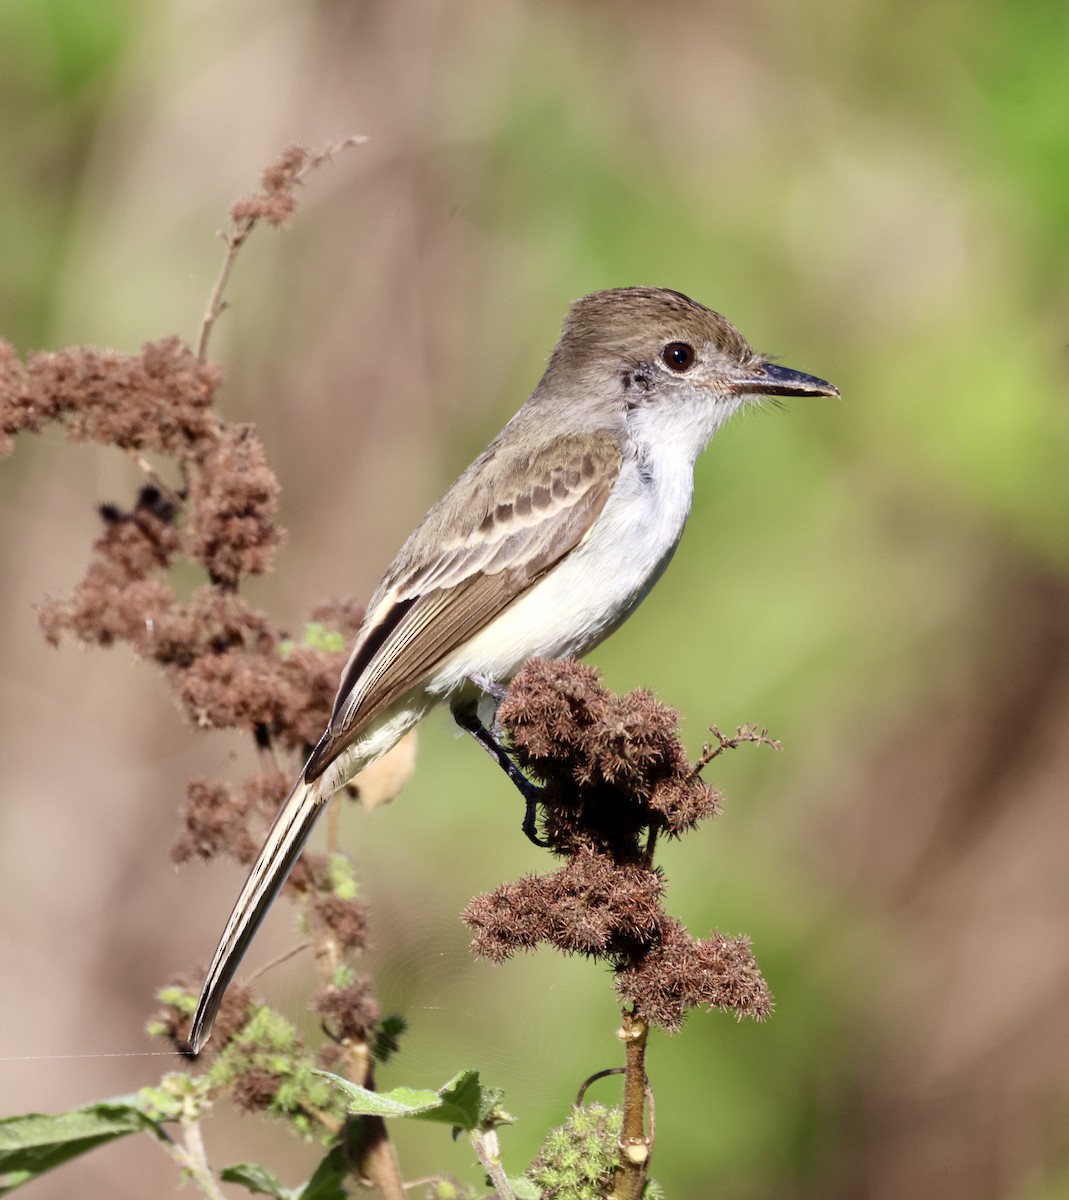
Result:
[615,775]
[350,1012]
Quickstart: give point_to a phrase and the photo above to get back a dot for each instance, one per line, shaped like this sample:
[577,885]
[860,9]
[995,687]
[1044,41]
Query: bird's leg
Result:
[466,715]
[497,692]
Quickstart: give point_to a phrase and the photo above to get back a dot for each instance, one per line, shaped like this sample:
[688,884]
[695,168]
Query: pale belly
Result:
[580,601]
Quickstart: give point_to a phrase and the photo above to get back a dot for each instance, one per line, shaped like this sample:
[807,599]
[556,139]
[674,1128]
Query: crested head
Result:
[624,323]
[637,347]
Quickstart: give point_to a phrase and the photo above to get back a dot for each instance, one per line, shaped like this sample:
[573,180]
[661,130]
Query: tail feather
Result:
[280,851]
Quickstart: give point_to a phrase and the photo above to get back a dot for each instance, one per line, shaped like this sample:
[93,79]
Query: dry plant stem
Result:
[488,1150]
[378,1160]
[191,1156]
[744,733]
[635,1146]
[333,826]
[238,233]
[285,956]
[216,304]
[332,1126]
[593,1079]
[153,477]
[195,1149]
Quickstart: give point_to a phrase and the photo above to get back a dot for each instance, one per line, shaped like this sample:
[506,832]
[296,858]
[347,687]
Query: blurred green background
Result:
[876,192]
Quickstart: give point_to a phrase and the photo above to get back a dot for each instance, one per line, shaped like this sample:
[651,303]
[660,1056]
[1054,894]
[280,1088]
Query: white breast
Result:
[600,583]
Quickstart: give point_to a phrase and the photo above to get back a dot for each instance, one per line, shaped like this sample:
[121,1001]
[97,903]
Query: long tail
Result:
[280,851]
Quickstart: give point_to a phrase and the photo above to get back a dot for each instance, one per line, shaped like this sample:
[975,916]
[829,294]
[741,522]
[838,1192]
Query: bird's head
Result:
[656,348]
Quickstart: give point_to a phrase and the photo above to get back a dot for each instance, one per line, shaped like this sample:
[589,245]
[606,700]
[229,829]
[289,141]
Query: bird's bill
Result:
[770,379]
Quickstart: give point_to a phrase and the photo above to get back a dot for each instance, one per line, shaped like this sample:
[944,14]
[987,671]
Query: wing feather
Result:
[429,603]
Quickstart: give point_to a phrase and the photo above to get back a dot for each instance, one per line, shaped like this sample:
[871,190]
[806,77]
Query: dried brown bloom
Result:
[310,679]
[144,540]
[103,609]
[214,504]
[232,528]
[223,620]
[619,756]
[264,792]
[214,822]
[160,399]
[591,906]
[310,874]
[616,774]
[344,920]
[679,973]
[173,1023]
[276,203]
[331,1056]
[350,1011]
[255,1089]
[286,170]
[216,818]
[234,690]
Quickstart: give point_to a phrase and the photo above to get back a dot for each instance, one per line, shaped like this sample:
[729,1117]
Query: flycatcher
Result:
[544,546]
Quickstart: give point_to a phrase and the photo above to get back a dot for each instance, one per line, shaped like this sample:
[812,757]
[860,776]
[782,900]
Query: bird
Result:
[541,548]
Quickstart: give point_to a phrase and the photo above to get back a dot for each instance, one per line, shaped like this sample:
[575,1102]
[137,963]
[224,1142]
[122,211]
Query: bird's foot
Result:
[467,718]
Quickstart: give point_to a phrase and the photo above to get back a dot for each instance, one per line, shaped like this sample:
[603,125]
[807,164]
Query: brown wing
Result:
[522,517]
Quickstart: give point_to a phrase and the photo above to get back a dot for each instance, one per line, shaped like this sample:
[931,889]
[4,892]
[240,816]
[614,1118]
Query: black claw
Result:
[530,821]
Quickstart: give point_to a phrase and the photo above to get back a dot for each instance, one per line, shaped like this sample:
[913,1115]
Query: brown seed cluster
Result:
[275,203]
[255,1089]
[159,400]
[615,775]
[173,1022]
[345,920]
[613,766]
[227,663]
[232,526]
[352,1012]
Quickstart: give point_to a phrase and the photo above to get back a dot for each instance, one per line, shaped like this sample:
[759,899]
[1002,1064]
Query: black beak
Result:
[770,379]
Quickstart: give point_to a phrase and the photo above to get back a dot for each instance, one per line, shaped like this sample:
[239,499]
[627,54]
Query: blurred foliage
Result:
[878,191]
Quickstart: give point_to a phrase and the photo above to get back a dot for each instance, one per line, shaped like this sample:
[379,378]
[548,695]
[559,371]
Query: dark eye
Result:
[678,356]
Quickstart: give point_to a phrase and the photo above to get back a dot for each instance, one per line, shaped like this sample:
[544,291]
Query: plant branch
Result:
[488,1149]
[246,215]
[190,1155]
[152,475]
[593,1079]
[378,1159]
[285,956]
[198,1158]
[744,733]
[635,1146]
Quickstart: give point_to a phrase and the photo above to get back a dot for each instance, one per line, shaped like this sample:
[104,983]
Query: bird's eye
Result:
[678,356]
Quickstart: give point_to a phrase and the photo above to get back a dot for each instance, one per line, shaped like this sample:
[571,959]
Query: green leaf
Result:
[401,1102]
[258,1180]
[36,1142]
[327,1182]
[524,1188]
[316,636]
[461,1101]
[457,1103]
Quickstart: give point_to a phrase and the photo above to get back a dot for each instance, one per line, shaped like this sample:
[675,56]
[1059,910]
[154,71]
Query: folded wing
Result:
[511,522]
